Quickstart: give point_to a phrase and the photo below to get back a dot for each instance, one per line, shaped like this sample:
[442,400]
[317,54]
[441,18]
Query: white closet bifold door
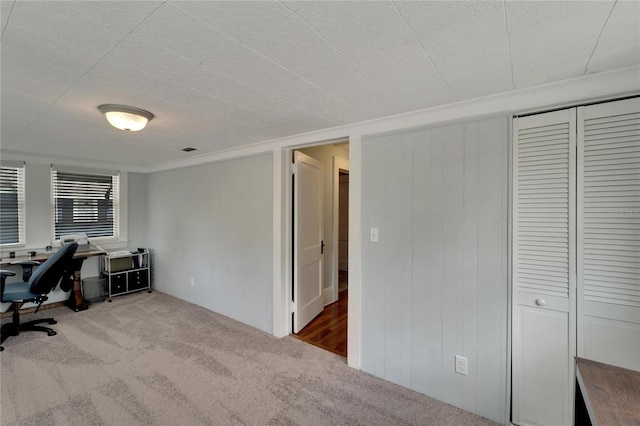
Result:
[609,233]
[544,279]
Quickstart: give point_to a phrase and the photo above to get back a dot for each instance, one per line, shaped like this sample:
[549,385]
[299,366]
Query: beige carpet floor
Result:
[151,359]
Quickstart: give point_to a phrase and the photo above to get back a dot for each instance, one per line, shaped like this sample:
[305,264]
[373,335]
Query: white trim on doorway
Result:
[354,310]
[282,244]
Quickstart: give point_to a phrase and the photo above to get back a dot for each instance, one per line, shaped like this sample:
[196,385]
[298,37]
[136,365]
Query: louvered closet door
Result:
[609,244]
[544,156]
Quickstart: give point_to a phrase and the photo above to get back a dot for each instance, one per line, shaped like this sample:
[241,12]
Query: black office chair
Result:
[42,281]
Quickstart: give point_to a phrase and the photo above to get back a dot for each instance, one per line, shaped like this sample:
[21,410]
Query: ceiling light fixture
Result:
[125,117]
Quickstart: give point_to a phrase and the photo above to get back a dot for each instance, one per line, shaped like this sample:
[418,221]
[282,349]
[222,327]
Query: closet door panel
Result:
[544,167]
[544,348]
[609,233]
[615,341]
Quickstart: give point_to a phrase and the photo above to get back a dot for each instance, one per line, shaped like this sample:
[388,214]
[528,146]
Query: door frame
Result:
[283,242]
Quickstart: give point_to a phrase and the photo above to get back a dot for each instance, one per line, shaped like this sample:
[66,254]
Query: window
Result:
[85,202]
[12,203]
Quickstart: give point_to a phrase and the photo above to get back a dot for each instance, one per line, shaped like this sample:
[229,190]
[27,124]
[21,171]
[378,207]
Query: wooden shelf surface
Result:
[611,394]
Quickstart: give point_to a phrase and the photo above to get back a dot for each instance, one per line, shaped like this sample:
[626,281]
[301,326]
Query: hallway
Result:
[329,329]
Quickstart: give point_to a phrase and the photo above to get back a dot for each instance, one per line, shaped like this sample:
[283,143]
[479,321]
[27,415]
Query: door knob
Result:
[541,302]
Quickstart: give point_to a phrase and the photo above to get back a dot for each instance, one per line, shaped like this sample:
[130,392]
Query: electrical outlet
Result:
[193,282]
[461,365]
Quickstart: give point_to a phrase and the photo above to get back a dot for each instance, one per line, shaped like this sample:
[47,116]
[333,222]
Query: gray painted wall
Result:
[213,222]
[138,210]
[435,285]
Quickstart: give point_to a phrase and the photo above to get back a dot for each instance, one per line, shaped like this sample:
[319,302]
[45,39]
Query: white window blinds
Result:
[12,203]
[85,201]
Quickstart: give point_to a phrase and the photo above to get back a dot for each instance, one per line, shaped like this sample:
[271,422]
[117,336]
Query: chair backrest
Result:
[47,276]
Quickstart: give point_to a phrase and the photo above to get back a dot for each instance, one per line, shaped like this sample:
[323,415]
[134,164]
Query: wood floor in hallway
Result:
[329,329]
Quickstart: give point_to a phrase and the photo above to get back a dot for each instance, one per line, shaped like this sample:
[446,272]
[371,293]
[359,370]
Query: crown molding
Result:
[585,89]
[10,154]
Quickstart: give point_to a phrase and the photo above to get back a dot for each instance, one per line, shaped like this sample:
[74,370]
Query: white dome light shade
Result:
[125,117]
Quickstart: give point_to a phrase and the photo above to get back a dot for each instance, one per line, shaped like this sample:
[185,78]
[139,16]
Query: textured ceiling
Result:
[218,75]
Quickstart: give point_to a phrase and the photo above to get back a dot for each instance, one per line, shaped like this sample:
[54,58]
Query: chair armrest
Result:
[3,276]
[25,262]
[27,268]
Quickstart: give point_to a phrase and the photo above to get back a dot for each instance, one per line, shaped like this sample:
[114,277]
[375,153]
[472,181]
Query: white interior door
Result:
[609,243]
[544,278]
[307,240]
[576,251]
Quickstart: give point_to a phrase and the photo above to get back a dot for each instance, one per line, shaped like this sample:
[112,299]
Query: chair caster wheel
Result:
[51,333]
[53,322]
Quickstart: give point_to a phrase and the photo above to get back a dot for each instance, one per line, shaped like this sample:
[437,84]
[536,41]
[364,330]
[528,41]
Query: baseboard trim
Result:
[327,295]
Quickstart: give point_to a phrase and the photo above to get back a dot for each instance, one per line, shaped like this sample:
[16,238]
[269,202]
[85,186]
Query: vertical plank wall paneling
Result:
[492,274]
[435,284]
[419,271]
[452,260]
[434,265]
[470,258]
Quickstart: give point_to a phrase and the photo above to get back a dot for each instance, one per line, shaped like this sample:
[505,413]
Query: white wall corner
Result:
[354,313]
[280,306]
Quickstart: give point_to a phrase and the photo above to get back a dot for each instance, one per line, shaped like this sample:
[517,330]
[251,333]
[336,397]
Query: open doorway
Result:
[328,329]
[343,230]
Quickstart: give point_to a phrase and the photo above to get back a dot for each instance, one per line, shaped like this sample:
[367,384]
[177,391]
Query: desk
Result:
[76,301]
[606,395]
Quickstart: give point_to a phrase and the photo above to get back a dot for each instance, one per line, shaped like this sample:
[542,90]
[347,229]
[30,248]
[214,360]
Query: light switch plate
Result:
[373,235]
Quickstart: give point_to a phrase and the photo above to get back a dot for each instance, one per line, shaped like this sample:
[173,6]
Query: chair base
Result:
[14,328]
